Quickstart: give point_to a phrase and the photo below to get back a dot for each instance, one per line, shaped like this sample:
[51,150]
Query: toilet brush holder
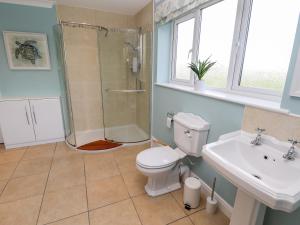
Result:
[211,205]
[211,202]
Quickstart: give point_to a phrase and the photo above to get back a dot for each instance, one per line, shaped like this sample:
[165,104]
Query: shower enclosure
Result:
[106,82]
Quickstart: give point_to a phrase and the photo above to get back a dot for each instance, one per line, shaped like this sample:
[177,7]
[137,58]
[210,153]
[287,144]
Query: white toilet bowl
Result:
[161,166]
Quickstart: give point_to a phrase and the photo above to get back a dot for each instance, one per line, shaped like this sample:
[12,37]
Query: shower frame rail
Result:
[75,24]
[125,90]
[97,27]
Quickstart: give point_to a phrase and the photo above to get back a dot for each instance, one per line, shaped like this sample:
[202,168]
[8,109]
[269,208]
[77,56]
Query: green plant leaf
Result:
[200,68]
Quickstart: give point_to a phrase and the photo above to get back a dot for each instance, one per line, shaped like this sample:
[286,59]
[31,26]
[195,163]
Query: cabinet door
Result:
[16,122]
[47,119]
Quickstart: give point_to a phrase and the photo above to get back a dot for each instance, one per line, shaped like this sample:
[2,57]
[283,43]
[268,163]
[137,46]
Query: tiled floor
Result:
[51,184]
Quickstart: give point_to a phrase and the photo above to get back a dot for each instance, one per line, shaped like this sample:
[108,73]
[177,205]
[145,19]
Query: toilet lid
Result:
[157,157]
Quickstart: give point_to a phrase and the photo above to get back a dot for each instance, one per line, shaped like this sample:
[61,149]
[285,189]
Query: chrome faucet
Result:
[257,140]
[291,154]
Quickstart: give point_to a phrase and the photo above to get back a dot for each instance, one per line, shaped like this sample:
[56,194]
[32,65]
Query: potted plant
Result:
[200,68]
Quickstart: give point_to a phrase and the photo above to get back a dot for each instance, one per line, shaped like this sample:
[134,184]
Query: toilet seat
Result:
[157,158]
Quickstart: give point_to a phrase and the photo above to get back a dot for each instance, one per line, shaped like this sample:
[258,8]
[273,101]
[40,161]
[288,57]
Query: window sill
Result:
[229,97]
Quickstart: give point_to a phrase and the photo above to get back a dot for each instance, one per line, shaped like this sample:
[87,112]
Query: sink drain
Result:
[257,176]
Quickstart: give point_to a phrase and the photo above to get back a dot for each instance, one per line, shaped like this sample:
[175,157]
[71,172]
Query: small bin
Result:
[191,193]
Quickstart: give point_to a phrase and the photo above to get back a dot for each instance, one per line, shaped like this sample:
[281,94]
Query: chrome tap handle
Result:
[291,154]
[260,130]
[294,142]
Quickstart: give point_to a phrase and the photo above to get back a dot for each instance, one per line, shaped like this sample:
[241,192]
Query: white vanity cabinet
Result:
[26,122]
[16,122]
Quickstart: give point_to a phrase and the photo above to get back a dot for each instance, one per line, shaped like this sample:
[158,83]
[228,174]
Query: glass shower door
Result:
[125,86]
[65,91]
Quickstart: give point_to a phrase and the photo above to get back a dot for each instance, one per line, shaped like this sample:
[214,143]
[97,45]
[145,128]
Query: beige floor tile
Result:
[178,195]
[21,212]
[81,219]
[70,162]
[157,210]
[100,167]
[11,155]
[2,185]
[126,157]
[130,150]
[202,218]
[6,170]
[135,182]
[2,148]
[39,151]
[63,203]
[184,221]
[121,213]
[106,191]
[33,166]
[99,158]
[24,187]
[63,150]
[60,179]
[126,163]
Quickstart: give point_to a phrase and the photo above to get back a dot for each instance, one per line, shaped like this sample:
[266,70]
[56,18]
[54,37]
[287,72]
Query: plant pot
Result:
[199,85]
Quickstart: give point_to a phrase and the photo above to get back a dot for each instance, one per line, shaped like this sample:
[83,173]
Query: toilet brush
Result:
[211,202]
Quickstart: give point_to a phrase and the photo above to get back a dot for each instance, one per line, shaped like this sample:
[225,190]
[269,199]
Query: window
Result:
[183,52]
[250,40]
[269,44]
[217,27]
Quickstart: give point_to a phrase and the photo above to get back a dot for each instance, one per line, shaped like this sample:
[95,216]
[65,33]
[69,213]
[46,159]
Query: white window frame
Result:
[238,50]
[194,51]
[237,60]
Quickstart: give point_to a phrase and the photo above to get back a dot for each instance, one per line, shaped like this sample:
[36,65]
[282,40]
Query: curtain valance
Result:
[170,9]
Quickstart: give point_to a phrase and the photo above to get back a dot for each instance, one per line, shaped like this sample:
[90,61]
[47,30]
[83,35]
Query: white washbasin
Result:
[260,171]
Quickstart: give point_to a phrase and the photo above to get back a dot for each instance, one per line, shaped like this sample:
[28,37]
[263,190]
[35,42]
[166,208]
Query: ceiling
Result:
[128,7]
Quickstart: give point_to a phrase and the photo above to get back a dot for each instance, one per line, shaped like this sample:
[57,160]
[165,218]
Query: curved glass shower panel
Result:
[123,87]
[82,63]
[143,102]
[65,96]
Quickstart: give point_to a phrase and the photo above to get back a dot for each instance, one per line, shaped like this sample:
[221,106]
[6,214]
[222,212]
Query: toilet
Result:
[162,165]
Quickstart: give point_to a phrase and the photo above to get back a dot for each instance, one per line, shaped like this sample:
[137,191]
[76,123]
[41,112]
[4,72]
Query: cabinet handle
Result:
[34,117]
[27,116]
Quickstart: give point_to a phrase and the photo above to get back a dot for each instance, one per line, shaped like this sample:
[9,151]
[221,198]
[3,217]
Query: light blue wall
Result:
[223,117]
[288,102]
[28,83]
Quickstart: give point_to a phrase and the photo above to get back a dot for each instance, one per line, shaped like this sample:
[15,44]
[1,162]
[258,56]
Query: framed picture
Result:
[27,51]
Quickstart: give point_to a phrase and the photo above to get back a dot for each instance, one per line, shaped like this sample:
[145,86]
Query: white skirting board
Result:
[222,204]
[34,143]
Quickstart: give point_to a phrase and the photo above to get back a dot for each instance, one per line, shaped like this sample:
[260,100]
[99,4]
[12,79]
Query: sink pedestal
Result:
[247,210]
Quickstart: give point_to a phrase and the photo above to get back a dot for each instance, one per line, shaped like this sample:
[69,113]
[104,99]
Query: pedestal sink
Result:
[261,174]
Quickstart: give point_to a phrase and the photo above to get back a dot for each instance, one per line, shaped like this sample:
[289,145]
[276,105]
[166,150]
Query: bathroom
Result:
[99,132]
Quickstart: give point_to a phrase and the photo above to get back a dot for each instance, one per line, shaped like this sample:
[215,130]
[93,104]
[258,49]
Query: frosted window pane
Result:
[270,40]
[217,28]
[184,47]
